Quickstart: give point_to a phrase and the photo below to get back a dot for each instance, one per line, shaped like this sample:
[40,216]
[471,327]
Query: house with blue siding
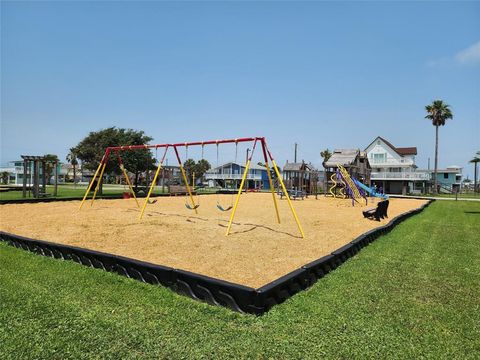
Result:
[449,179]
[229,176]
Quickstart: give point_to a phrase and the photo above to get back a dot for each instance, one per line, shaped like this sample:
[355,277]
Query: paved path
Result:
[435,198]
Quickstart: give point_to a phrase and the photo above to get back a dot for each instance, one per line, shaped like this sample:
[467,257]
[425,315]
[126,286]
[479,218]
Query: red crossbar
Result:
[194,143]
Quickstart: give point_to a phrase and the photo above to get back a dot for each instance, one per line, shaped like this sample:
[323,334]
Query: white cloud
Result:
[439,62]
[470,55]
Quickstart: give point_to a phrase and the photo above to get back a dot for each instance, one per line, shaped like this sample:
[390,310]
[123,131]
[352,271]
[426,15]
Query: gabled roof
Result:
[298,167]
[342,157]
[399,150]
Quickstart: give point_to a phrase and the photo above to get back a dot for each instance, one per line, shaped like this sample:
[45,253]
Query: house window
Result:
[379,158]
[445,176]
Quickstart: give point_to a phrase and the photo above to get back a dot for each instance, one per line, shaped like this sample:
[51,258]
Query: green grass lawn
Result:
[414,293]
[65,191]
[470,195]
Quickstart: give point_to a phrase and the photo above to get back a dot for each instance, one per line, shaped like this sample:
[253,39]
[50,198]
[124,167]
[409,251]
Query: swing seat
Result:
[191,207]
[222,209]
[152,201]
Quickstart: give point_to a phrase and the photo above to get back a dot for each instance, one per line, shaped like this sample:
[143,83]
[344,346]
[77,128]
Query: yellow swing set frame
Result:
[266,154]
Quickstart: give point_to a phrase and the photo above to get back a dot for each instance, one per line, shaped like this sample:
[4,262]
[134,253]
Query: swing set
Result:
[192,205]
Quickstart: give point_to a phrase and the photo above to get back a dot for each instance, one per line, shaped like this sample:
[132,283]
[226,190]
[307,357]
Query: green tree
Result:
[92,148]
[198,168]
[201,167]
[325,154]
[189,167]
[72,160]
[475,161]
[438,112]
[51,160]
[5,177]
[140,161]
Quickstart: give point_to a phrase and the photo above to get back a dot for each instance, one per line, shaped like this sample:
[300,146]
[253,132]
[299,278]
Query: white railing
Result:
[400,176]
[231,177]
[390,163]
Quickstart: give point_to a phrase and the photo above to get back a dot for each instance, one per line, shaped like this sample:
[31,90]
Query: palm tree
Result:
[72,159]
[439,112]
[475,161]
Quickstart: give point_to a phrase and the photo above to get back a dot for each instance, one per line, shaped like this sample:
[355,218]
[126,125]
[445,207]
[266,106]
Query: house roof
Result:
[449,170]
[297,166]
[412,150]
[342,157]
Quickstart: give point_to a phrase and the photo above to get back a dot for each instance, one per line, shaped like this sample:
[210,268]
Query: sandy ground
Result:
[257,252]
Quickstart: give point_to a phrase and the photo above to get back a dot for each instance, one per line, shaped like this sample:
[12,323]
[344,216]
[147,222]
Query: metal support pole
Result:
[272,187]
[152,185]
[127,179]
[92,181]
[286,194]
[184,175]
[99,182]
[288,198]
[232,215]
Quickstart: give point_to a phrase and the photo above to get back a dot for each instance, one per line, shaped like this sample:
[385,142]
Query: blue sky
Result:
[322,74]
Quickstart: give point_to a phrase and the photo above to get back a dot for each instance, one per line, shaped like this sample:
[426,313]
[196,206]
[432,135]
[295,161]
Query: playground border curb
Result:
[53,199]
[236,297]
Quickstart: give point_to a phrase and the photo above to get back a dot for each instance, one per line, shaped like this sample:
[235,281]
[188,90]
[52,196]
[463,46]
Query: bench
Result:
[380,212]
[293,194]
[179,190]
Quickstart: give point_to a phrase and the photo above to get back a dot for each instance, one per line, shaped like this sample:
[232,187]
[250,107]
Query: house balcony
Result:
[411,176]
[391,163]
[214,176]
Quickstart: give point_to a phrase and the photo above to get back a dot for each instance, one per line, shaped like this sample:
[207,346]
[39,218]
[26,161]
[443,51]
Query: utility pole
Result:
[295,153]
[248,150]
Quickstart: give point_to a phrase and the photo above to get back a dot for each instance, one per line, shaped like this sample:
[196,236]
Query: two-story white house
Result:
[65,171]
[394,169]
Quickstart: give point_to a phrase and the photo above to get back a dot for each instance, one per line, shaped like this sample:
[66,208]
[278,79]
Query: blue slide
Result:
[369,190]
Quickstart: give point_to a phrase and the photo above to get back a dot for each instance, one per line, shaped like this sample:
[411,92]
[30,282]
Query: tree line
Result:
[91,149]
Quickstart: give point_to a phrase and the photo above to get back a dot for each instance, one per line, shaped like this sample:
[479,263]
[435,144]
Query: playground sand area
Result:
[258,250]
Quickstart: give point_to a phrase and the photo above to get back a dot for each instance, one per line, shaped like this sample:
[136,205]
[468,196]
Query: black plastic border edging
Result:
[79,198]
[213,291]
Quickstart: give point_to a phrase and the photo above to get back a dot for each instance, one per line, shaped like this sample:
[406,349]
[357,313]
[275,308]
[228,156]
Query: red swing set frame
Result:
[266,155]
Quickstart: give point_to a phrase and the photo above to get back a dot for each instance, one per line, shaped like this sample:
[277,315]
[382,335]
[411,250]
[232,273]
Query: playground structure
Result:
[350,187]
[34,168]
[193,205]
[301,178]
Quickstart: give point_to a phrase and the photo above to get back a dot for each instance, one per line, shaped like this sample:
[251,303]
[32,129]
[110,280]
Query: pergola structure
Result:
[116,150]
[38,162]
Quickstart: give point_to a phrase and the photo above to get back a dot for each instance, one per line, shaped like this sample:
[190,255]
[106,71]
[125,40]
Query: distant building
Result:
[394,169]
[353,160]
[449,180]
[11,173]
[229,175]
[65,173]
